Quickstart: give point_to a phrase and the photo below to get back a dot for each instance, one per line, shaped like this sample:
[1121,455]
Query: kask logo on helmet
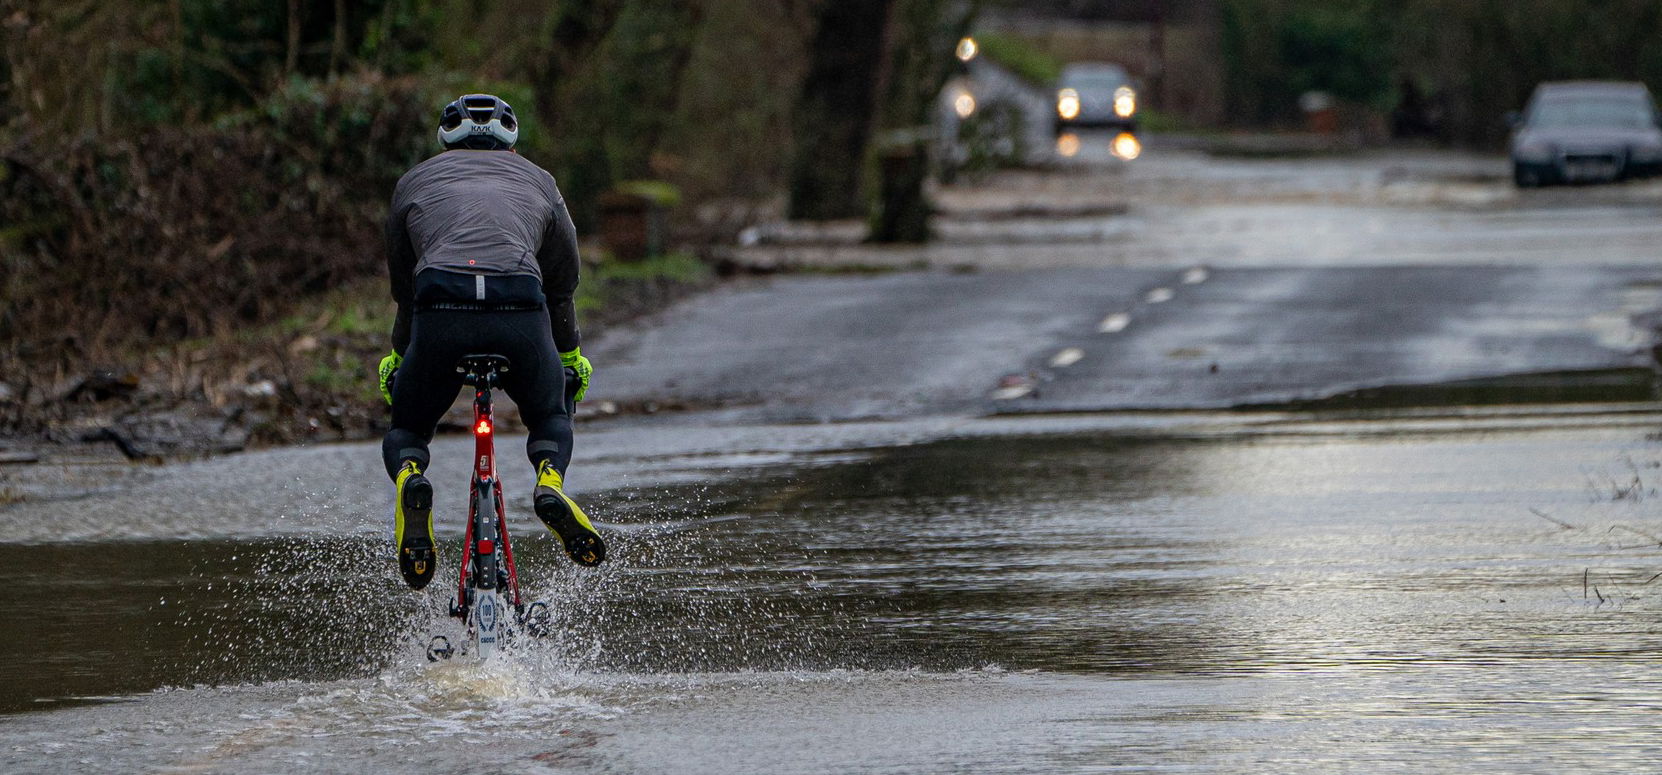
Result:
[478,122]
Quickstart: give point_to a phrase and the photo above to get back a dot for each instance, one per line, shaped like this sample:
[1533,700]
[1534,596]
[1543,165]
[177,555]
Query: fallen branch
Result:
[1554,520]
[1637,531]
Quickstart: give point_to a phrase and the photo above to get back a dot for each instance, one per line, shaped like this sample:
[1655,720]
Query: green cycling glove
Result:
[389,367]
[575,361]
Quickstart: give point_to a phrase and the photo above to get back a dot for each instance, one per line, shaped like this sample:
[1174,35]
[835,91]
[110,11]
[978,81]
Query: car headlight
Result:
[1125,102]
[964,104]
[1067,104]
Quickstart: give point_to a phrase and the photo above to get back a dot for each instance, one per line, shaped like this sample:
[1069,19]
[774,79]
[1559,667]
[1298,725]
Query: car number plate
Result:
[1589,170]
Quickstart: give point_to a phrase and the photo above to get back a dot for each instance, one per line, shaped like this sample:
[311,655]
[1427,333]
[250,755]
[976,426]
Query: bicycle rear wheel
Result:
[489,616]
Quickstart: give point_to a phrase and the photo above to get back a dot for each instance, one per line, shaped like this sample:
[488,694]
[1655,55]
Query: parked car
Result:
[1095,94]
[1586,131]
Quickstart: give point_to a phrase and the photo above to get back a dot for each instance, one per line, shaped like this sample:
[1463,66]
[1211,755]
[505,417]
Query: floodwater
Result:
[1194,593]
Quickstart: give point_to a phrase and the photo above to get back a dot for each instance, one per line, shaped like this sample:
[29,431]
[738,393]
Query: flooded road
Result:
[836,548]
[1178,593]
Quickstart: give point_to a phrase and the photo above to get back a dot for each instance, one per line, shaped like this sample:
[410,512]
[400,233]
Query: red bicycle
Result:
[487,594]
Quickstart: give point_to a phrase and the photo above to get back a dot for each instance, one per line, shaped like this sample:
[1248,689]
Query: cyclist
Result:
[482,256]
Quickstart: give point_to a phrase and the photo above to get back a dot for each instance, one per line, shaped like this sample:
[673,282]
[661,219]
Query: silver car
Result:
[1095,94]
[1586,131]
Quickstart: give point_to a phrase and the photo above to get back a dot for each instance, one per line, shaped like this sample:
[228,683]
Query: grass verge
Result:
[308,376]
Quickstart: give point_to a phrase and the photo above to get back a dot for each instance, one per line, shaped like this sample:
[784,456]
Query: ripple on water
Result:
[1303,604]
[529,707]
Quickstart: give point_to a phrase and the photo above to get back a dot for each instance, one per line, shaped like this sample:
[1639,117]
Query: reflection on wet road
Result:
[1220,597]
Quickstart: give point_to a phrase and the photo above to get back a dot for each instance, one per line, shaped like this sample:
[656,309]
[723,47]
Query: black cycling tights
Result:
[427,382]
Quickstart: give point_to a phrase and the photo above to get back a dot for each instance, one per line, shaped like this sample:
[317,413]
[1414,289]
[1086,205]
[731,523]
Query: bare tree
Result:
[920,59]
[575,32]
[835,109]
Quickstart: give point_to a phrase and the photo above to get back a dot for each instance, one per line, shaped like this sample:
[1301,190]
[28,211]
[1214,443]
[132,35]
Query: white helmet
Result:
[480,122]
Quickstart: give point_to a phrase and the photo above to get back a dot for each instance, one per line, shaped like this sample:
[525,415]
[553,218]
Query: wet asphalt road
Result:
[1183,282]
[1245,337]
[1118,339]
[942,580]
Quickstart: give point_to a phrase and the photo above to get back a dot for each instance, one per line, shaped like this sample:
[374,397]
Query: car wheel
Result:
[1525,177]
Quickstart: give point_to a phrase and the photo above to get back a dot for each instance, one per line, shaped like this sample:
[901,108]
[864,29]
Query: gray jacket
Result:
[492,215]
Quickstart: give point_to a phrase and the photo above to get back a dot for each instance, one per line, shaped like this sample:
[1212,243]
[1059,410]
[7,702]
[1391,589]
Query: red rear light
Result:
[486,546]
[484,427]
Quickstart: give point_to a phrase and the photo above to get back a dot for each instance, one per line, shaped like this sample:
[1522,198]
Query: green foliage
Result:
[404,36]
[1157,121]
[655,191]
[202,58]
[1279,50]
[1335,49]
[337,377]
[994,137]
[730,136]
[678,267]
[200,165]
[613,282]
[358,308]
[640,70]
[1483,58]
[616,118]
[182,232]
[1471,60]
[1018,56]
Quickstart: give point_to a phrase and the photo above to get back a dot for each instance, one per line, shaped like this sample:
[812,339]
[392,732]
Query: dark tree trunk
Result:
[291,59]
[835,109]
[902,211]
[920,61]
[608,87]
[651,59]
[337,49]
[568,63]
[577,31]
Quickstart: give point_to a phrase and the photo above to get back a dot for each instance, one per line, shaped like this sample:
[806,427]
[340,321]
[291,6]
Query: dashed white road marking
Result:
[1160,295]
[1196,276]
[1014,391]
[1067,357]
[1114,323]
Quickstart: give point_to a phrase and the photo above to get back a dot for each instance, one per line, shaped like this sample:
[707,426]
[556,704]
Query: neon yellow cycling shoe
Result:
[413,526]
[565,520]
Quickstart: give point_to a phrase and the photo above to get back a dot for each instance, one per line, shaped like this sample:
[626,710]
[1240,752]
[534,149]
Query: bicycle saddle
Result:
[482,365]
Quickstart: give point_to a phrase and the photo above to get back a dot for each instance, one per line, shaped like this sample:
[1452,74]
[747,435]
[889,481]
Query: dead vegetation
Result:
[144,272]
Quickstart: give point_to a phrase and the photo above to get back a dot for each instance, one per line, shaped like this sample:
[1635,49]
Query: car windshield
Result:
[1601,112]
[1106,80]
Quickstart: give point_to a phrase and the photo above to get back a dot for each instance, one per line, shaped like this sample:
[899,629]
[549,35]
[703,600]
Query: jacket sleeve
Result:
[401,263]
[558,261]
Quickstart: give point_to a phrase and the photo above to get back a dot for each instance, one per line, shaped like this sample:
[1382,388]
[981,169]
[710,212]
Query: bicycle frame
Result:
[487,593]
[487,568]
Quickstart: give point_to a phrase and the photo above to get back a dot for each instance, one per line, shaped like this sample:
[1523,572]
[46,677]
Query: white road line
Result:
[1196,276]
[1067,357]
[1114,323]
[1014,391]
[1160,295]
